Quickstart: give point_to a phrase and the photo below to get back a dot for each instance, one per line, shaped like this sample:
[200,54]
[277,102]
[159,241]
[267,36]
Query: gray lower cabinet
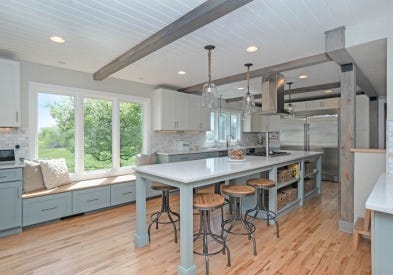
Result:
[10,201]
[123,193]
[46,208]
[90,199]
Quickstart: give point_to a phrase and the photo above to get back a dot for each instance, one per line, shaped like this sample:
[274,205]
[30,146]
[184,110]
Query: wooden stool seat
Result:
[261,183]
[238,191]
[362,227]
[208,201]
[161,186]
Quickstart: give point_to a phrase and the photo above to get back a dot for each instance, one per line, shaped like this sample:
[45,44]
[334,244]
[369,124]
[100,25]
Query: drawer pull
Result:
[126,193]
[47,209]
[91,200]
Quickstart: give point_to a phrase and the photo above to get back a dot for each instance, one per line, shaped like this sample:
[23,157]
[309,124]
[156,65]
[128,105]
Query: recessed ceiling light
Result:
[57,39]
[328,91]
[303,76]
[252,49]
[181,72]
[240,88]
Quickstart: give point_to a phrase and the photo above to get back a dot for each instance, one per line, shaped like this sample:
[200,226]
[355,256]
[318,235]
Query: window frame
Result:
[228,112]
[79,94]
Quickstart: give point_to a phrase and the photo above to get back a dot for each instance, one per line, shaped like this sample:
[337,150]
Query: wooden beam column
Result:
[346,142]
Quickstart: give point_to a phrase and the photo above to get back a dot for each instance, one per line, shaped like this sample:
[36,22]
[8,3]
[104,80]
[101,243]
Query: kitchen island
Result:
[187,175]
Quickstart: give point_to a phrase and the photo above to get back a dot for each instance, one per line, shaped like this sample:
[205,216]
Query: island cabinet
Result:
[296,181]
[9,93]
[10,201]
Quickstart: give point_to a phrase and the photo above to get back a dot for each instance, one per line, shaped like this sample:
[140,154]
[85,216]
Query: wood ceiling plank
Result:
[290,65]
[196,18]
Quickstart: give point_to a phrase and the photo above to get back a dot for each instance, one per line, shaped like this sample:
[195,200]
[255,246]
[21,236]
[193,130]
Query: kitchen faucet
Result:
[229,137]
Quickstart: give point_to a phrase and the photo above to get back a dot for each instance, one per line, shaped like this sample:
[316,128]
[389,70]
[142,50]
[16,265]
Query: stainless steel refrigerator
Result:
[314,133]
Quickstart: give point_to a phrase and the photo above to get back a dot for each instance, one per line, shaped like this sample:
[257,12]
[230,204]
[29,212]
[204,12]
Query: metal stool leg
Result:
[238,217]
[165,208]
[260,208]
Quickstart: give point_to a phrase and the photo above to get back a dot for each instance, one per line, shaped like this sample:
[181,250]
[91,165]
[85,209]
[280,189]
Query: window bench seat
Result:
[79,197]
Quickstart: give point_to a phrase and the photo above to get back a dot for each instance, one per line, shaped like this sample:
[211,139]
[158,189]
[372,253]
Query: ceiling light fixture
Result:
[181,72]
[240,88]
[291,107]
[57,39]
[252,49]
[328,91]
[303,76]
[248,99]
[209,90]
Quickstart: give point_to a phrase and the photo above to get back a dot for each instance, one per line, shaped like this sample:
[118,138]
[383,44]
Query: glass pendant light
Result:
[209,90]
[248,99]
[291,107]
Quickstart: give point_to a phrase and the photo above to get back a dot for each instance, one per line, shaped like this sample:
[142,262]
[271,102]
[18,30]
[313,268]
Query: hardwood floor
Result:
[102,243]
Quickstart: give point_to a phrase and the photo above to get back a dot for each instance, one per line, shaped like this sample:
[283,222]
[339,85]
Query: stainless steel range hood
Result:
[273,94]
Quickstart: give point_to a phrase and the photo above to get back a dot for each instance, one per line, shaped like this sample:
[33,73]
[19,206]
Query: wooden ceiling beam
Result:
[335,49]
[290,65]
[191,21]
[307,89]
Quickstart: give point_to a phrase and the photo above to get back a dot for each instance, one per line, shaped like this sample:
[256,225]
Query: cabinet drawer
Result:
[183,157]
[12,174]
[90,199]
[46,208]
[122,193]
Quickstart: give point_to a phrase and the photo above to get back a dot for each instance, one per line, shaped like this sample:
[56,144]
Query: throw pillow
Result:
[54,172]
[32,177]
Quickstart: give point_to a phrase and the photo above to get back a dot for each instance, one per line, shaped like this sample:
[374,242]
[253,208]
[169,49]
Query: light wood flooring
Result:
[102,243]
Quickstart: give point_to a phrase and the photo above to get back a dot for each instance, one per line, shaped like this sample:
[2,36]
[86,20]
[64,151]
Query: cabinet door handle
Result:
[47,209]
[17,116]
[126,193]
[3,177]
[91,200]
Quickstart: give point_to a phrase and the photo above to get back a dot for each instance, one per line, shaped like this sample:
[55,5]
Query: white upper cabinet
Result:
[179,112]
[9,93]
[198,116]
[261,123]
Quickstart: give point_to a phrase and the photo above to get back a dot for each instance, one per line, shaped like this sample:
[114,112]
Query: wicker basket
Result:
[309,184]
[308,167]
[285,196]
[284,175]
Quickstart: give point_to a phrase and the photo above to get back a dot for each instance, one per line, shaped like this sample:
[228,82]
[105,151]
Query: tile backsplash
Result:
[10,137]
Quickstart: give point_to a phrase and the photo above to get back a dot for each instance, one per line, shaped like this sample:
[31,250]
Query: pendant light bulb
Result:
[209,90]
[248,99]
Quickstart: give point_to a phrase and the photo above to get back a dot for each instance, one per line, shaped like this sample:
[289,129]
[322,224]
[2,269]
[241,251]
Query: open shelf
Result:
[289,205]
[283,184]
[310,175]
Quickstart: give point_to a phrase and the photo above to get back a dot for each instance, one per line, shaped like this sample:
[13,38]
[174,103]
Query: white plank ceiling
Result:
[98,31]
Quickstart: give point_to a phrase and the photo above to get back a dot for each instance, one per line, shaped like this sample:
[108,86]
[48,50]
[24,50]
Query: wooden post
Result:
[347,141]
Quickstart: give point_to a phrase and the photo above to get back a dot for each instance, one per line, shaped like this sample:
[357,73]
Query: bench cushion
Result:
[32,176]
[54,172]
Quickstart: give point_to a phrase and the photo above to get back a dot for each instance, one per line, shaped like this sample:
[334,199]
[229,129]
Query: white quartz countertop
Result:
[381,197]
[201,150]
[196,170]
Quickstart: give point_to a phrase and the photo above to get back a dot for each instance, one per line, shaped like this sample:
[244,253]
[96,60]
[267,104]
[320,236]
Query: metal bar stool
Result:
[155,217]
[205,203]
[236,193]
[260,186]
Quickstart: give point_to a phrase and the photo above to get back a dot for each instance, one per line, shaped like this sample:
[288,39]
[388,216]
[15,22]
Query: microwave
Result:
[7,156]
